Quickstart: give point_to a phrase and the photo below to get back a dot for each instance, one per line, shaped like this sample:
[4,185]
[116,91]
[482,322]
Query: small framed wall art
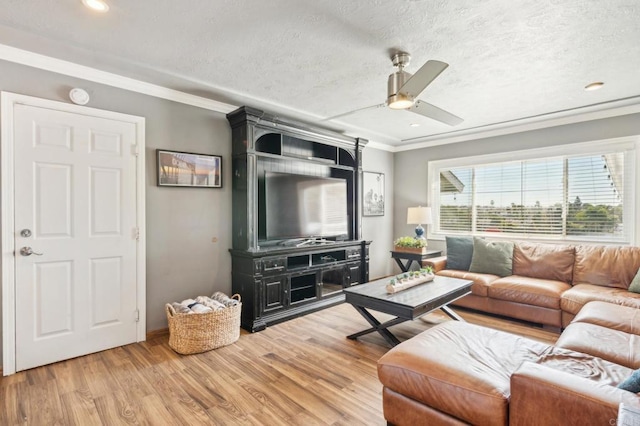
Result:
[372,194]
[187,169]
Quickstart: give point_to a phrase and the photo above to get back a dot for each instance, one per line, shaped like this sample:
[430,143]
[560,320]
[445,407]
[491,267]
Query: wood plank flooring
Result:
[300,372]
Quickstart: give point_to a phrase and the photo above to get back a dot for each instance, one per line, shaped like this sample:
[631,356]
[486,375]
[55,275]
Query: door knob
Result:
[27,251]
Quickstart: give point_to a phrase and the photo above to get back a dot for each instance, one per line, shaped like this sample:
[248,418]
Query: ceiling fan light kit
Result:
[395,98]
[399,101]
[403,89]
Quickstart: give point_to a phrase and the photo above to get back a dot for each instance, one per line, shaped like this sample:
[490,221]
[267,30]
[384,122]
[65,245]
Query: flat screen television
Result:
[301,206]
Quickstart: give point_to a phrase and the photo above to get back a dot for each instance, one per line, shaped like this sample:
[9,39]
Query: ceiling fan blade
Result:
[435,113]
[344,114]
[422,78]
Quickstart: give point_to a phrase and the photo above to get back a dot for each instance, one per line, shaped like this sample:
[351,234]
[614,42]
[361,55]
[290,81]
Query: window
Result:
[578,194]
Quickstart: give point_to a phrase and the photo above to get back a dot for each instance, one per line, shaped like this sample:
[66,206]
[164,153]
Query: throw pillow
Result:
[631,383]
[545,261]
[635,283]
[492,257]
[459,253]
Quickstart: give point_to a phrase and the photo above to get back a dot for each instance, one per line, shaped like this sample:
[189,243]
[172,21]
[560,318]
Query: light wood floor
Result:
[300,372]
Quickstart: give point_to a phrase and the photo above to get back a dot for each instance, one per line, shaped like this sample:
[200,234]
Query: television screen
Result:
[301,206]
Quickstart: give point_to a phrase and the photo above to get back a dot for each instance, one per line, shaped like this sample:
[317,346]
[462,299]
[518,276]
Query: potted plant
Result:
[410,244]
[410,279]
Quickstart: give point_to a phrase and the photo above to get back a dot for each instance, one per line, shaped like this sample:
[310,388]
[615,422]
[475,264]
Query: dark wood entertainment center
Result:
[279,280]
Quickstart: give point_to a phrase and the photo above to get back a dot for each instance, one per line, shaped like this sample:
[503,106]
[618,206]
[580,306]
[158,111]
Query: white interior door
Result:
[75,209]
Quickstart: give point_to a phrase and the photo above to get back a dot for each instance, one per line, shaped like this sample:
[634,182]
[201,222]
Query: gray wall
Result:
[182,259]
[411,166]
[378,229]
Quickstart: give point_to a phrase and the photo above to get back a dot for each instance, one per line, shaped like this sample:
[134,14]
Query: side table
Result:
[409,258]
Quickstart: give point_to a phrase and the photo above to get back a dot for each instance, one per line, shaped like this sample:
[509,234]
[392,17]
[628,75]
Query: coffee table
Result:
[405,305]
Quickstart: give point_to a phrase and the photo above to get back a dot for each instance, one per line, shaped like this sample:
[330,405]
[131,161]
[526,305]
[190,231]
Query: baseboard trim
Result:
[157,333]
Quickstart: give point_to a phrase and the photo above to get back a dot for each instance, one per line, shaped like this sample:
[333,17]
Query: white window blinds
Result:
[562,197]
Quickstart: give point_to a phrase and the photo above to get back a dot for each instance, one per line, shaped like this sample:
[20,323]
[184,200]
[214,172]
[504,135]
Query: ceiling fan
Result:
[403,89]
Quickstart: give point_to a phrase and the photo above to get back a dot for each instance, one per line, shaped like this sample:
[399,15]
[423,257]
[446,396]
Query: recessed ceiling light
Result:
[97,5]
[414,124]
[594,86]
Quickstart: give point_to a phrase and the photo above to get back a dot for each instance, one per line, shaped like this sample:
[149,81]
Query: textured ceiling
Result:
[314,59]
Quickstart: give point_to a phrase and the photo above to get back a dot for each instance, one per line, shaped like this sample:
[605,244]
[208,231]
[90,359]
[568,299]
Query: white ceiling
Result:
[314,59]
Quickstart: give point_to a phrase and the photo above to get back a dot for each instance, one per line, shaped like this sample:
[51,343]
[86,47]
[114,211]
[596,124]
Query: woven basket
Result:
[196,333]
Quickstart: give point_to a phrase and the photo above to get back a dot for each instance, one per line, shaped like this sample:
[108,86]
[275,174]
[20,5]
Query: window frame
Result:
[631,208]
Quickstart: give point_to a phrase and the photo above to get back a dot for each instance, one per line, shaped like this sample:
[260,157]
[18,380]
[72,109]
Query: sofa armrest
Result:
[542,395]
[437,263]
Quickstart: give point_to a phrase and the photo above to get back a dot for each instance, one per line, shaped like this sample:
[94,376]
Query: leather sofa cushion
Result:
[480,281]
[609,266]
[566,318]
[585,365]
[546,261]
[542,396]
[529,291]
[616,317]
[400,410]
[612,345]
[437,263]
[574,299]
[460,369]
[531,313]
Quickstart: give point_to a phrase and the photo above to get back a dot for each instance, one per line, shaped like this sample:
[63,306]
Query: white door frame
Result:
[7,102]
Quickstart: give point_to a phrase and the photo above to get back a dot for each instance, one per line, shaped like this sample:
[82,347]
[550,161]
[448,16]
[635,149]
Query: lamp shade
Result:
[419,215]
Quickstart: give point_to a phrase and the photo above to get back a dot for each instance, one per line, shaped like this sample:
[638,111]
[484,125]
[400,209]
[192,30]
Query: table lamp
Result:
[419,216]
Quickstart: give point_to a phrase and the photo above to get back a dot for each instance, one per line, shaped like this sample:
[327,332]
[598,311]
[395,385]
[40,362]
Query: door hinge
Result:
[134,149]
[136,233]
[137,313]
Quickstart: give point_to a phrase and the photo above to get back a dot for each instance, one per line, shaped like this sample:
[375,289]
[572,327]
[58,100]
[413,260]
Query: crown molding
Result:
[381,146]
[71,69]
[47,63]
[577,115]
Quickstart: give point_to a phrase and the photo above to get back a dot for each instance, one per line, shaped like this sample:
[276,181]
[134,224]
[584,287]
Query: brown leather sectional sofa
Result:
[551,283]
[459,373]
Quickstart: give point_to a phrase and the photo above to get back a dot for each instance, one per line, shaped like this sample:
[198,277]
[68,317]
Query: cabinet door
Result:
[275,296]
[354,274]
[332,280]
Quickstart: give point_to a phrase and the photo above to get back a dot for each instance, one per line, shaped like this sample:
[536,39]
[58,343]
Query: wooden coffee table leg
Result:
[377,326]
[450,313]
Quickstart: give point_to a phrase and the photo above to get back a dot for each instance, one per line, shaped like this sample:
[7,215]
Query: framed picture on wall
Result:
[188,169]
[372,194]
